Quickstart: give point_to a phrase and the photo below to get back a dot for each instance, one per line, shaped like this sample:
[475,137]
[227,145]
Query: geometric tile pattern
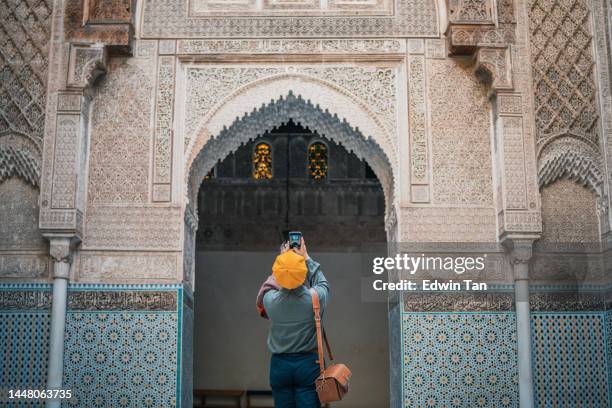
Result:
[569,360]
[24,349]
[121,359]
[460,360]
[609,352]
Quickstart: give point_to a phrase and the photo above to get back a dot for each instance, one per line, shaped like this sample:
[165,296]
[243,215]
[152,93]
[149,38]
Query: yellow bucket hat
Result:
[289,270]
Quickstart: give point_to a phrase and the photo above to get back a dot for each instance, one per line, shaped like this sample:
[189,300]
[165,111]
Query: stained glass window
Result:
[317,161]
[262,162]
[210,174]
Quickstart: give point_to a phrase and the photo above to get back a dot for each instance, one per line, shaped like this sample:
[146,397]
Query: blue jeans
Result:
[292,378]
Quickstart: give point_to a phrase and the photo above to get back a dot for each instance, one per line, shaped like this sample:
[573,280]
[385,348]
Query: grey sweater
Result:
[290,311]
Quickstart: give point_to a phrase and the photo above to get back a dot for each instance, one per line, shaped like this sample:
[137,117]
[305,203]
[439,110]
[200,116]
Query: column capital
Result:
[61,247]
[520,251]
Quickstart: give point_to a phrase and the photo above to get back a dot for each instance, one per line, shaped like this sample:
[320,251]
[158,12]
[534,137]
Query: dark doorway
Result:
[288,178]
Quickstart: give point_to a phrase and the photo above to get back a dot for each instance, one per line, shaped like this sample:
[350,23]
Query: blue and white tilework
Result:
[570,363]
[459,360]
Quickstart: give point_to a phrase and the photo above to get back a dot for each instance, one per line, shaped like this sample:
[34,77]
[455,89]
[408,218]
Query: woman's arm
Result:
[315,277]
[317,280]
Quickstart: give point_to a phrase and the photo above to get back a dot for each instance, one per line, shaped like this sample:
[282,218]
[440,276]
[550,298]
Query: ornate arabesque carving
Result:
[461,153]
[487,37]
[162,158]
[63,212]
[20,163]
[119,172]
[92,29]
[411,18]
[289,46]
[571,158]
[447,224]
[133,227]
[87,62]
[470,11]
[138,266]
[417,116]
[253,8]
[281,111]
[569,215]
[19,228]
[25,30]
[565,93]
[472,30]
[206,86]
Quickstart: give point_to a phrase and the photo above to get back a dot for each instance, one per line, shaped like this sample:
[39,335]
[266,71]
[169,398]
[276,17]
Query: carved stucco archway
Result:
[318,105]
[264,104]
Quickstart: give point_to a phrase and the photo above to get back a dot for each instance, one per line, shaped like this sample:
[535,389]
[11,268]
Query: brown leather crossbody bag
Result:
[333,383]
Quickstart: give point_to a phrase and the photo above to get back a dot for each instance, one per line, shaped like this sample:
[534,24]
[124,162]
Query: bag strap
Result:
[316,307]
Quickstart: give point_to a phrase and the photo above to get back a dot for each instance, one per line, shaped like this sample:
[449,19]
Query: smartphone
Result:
[295,239]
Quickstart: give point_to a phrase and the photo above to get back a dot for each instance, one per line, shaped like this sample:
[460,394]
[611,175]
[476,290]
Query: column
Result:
[520,254]
[60,251]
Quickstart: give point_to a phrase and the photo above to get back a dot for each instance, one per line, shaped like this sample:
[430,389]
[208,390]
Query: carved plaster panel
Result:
[566,100]
[461,149]
[19,216]
[289,46]
[281,110]
[23,250]
[86,63]
[448,224]
[65,161]
[206,8]
[121,133]
[123,266]
[253,99]
[24,265]
[569,213]
[25,29]
[470,11]
[572,158]
[162,147]
[207,85]
[410,18]
[514,162]
[132,228]
[145,49]
[417,116]
[19,162]
[562,63]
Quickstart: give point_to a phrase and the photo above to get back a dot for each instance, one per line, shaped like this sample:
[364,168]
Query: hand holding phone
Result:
[295,239]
